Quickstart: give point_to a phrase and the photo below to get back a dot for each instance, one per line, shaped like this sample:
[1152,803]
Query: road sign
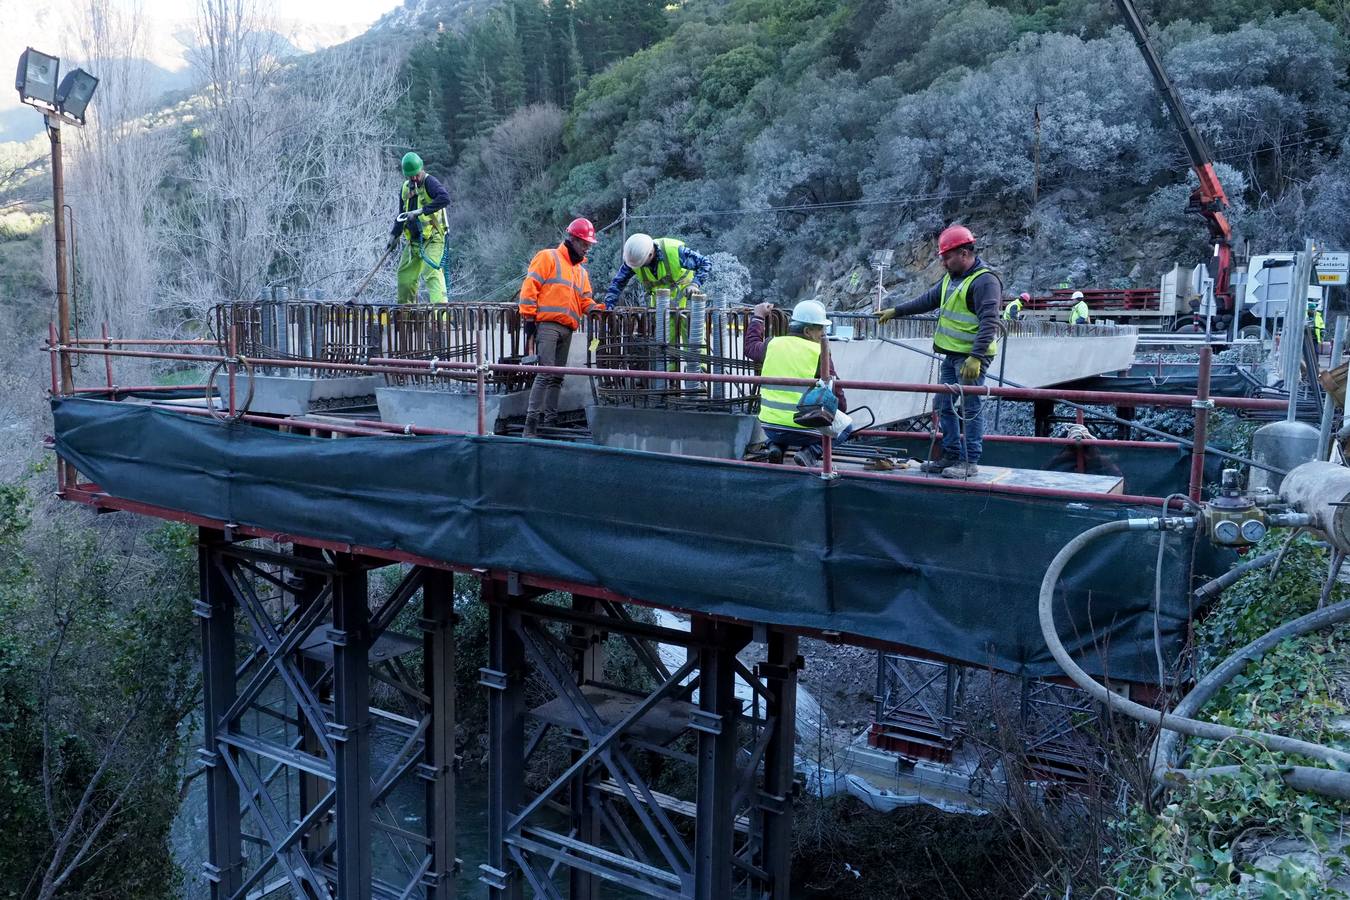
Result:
[1333,268]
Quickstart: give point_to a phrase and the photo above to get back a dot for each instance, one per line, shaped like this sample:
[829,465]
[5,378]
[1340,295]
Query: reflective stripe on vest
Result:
[435,224]
[561,300]
[666,272]
[788,356]
[957,326]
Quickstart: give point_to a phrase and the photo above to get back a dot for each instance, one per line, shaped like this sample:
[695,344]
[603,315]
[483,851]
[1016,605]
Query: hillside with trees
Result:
[801,136]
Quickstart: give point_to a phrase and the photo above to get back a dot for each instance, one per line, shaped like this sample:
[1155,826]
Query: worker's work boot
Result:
[775,454]
[531,426]
[808,457]
[961,469]
[937,466]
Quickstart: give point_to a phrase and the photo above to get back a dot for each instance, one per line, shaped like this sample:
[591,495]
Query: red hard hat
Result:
[954,236]
[1025,296]
[583,229]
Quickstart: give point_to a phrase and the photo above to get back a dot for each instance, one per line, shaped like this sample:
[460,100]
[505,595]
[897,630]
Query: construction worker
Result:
[792,355]
[661,263]
[554,299]
[1078,313]
[967,298]
[1318,323]
[421,215]
[1013,311]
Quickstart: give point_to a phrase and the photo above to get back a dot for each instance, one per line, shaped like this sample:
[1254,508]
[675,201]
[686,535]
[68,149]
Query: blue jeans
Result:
[969,421]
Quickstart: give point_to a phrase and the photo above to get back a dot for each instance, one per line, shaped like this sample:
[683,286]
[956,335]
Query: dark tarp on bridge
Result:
[951,572]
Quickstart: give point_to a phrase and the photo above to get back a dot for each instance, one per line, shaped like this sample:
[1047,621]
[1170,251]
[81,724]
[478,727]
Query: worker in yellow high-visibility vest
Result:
[967,298]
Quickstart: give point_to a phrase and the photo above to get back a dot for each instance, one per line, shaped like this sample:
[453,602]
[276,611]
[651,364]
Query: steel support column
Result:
[588,665]
[504,677]
[438,668]
[717,720]
[779,672]
[350,728]
[216,608]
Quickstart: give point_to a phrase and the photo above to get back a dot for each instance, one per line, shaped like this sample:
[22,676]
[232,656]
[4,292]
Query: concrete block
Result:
[283,396]
[681,432]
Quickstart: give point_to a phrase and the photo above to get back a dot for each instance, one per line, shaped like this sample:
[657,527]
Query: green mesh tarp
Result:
[947,571]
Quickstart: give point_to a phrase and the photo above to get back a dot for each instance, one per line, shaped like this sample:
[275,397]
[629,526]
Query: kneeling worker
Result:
[793,355]
[554,300]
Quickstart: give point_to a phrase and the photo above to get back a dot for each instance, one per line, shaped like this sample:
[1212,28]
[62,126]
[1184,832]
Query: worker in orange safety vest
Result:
[554,299]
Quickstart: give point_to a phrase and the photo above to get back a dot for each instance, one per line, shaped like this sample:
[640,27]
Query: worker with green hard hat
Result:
[422,204]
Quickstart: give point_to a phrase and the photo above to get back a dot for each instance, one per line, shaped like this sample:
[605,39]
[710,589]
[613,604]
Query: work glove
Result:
[886,315]
[531,328]
[970,369]
[763,310]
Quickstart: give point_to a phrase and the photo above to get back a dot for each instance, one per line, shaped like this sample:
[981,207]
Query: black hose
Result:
[1224,672]
[1212,589]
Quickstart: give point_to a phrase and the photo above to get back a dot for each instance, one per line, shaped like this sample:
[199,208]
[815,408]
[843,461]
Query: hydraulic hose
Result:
[1193,727]
[1212,589]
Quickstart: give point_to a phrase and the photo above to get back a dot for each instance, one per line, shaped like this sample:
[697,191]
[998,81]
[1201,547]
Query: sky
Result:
[43,23]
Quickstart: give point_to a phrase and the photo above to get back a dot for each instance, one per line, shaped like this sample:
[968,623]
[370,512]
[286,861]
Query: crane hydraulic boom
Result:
[1209,198]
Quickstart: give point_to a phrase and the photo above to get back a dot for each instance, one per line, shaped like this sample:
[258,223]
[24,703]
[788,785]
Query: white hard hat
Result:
[637,250]
[810,312]
[1077,295]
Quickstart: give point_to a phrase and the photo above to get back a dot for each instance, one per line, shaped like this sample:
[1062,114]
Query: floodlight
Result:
[74,94]
[36,79]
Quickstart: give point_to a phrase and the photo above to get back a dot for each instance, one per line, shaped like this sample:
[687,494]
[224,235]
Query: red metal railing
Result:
[480,372]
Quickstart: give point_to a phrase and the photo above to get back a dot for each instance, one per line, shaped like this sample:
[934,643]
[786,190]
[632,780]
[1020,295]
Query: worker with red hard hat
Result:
[1013,310]
[967,300]
[554,299]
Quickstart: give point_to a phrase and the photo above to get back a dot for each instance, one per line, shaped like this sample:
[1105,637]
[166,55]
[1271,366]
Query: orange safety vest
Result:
[555,290]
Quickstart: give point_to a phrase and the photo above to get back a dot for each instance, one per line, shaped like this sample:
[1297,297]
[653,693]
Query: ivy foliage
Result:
[1249,835]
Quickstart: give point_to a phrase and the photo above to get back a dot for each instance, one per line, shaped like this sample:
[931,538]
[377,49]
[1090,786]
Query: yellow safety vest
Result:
[434,225]
[957,325]
[788,356]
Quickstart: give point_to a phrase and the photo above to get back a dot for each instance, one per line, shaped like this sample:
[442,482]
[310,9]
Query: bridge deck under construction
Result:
[320,709]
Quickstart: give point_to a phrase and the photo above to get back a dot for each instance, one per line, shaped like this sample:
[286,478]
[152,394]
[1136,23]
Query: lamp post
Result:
[63,101]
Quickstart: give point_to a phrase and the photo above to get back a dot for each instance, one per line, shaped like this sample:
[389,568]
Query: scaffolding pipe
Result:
[1202,407]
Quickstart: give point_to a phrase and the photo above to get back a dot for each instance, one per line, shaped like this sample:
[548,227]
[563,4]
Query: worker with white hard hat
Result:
[659,263]
[1078,313]
[796,354]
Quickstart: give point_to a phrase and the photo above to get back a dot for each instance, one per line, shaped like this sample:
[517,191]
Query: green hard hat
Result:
[412,164]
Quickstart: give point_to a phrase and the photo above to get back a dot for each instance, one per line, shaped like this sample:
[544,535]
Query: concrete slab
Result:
[681,432]
[282,396]
[1003,476]
[1029,360]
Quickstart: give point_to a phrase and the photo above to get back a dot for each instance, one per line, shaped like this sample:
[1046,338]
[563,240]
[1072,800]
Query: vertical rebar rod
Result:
[1329,403]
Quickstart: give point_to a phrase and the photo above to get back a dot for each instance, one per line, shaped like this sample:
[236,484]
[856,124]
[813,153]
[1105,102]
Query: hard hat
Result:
[582,229]
[1024,296]
[810,312]
[1077,295]
[954,236]
[637,250]
[412,164]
